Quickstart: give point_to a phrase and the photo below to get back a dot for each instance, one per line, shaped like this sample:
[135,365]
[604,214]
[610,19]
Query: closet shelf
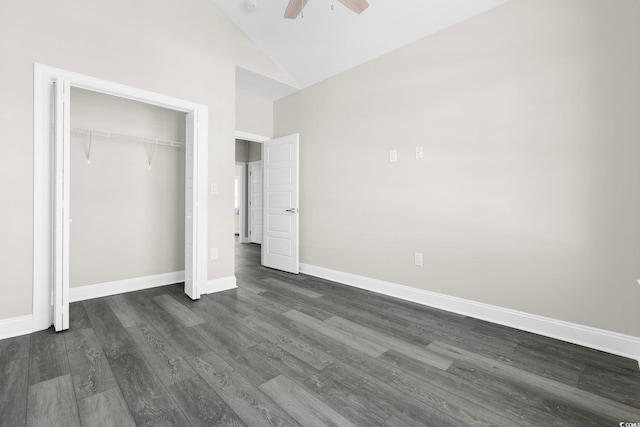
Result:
[125,137]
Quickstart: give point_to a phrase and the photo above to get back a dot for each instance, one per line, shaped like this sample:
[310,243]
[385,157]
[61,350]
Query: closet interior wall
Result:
[127,197]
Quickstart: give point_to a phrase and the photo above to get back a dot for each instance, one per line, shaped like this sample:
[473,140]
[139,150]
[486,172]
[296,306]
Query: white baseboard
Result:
[16,326]
[610,342]
[219,285]
[99,290]
[23,325]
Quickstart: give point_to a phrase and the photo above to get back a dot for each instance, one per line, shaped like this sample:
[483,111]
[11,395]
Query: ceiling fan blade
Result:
[358,6]
[294,8]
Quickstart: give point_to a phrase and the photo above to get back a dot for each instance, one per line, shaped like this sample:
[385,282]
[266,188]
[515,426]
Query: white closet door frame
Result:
[47,291]
[61,92]
[196,168]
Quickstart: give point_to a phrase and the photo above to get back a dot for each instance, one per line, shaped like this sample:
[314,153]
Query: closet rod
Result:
[125,137]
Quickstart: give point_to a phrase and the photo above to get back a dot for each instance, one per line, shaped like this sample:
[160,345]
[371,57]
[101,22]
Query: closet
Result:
[127,199]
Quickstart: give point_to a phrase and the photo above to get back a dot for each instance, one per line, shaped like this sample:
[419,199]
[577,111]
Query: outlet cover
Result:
[418,259]
[214,188]
[214,253]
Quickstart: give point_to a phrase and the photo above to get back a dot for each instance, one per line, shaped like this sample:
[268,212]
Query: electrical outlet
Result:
[214,188]
[419,152]
[214,253]
[417,257]
[393,156]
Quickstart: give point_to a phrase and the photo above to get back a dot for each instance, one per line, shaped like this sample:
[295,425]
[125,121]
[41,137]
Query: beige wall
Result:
[248,151]
[254,114]
[242,150]
[255,152]
[528,196]
[182,48]
[128,217]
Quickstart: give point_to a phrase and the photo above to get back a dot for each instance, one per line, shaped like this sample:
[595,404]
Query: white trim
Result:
[22,325]
[611,342]
[246,136]
[99,290]
[60,209]
[219,285]
[250,190]
[201,181]
[242,209]
[42,203]
[116,89]
[16,326]
[43,199]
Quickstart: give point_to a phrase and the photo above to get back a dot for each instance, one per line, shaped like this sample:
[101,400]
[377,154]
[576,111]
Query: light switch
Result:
[419,152]
[214,188]
[418,259]
[393,156]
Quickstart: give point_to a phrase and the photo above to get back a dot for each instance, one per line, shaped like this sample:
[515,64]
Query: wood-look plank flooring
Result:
[287,350]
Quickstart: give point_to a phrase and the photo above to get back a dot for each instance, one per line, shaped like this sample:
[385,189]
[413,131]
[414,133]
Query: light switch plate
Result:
[393,156]
[214,253]
[214,188]
[419,152]
[418,259]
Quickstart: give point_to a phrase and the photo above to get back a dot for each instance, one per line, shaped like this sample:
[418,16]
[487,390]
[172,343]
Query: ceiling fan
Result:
[295,7]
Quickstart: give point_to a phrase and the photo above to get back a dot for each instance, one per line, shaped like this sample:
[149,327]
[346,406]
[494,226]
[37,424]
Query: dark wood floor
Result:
[296,350]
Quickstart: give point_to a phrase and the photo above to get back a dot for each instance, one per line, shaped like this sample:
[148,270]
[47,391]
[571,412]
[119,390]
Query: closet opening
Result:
[55,156]
[127,193]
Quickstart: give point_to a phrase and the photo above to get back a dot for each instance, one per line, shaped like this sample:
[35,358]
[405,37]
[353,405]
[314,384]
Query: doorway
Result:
[52,101]
[276,178]
[248,214]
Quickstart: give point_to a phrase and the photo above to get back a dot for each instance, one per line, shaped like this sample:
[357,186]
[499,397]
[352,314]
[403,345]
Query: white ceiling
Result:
[327,42]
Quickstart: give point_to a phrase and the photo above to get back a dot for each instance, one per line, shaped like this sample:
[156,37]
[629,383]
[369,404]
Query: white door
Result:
[255,202]
[195,201]
[280,232]
[61,170]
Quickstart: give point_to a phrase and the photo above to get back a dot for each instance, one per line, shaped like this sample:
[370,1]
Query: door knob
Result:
[292,210]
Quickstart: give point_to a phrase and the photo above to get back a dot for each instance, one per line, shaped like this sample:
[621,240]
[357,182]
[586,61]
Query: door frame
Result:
[249,197]
[45,201]
[242,204]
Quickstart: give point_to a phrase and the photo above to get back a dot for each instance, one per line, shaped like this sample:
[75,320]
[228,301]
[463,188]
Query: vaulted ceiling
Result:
[329,40]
